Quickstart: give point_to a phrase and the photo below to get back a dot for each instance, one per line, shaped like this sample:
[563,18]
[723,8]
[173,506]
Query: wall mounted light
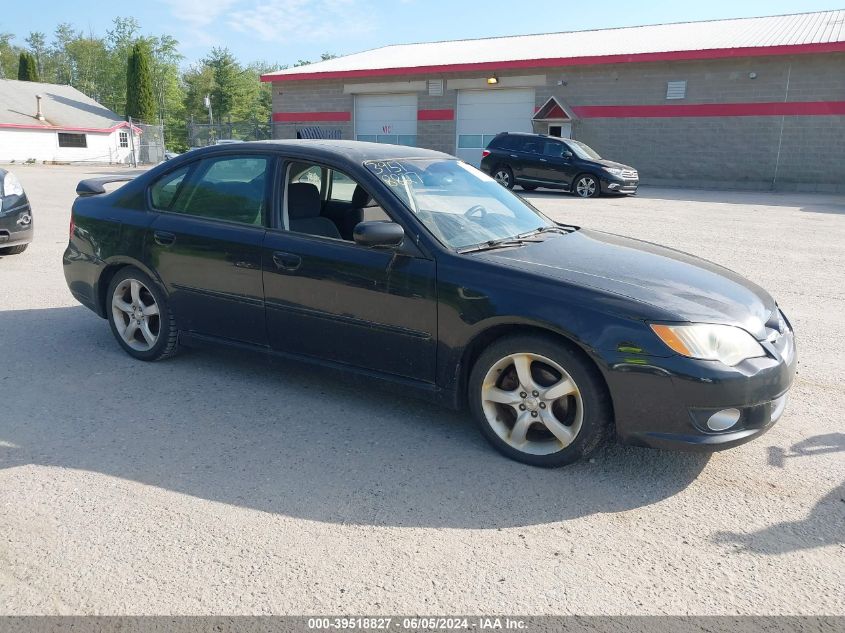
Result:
[752,75]
[492,81]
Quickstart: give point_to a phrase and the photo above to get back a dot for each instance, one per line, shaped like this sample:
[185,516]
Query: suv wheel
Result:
[504,176]
[538,401]
[587,186]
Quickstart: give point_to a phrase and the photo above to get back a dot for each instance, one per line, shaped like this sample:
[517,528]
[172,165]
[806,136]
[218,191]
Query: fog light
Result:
[723,420]
[613,185]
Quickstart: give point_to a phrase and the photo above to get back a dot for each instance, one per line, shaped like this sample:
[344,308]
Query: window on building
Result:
[676,89]
[124,139]
[72,140]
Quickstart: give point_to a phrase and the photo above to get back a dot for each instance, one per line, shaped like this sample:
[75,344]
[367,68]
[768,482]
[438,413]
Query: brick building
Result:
[752,103]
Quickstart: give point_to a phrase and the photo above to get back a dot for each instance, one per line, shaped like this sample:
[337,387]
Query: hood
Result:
[679,284]
[611,163]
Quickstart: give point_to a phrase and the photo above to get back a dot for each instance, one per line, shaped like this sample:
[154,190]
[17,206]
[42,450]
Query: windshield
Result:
[584,151]
[459,204]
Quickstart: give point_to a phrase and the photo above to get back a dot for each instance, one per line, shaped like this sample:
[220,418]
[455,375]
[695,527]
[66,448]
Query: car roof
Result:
[354,151]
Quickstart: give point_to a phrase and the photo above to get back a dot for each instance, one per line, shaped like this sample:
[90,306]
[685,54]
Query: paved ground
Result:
[216,484]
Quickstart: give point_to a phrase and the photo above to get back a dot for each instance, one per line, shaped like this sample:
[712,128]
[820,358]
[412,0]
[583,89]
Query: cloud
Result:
[198,13]
[286,20]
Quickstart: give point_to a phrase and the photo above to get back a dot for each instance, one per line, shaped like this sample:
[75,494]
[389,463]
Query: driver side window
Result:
[326,202]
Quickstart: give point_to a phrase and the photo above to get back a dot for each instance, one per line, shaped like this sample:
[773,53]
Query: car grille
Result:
[630,174]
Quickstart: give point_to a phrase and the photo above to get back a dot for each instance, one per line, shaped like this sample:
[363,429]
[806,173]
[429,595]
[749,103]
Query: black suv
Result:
[537,160]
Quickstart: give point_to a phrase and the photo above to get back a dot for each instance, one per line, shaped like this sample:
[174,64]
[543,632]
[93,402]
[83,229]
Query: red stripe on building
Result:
[590,60]
[772,108]
[436,115]
[308,117]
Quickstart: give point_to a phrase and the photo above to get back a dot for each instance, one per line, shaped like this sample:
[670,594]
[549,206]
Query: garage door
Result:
[484,113]
[386,118]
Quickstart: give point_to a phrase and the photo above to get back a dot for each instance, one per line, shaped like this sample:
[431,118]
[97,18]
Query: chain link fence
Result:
[202,134]
[147,143]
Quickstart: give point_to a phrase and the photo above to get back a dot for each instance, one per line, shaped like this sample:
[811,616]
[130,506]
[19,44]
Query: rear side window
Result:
[227,188]
[164,191]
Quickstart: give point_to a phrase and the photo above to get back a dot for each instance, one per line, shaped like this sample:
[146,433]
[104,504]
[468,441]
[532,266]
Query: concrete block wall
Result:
[753,152]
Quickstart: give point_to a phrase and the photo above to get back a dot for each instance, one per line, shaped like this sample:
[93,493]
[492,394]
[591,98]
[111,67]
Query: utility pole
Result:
[210,119]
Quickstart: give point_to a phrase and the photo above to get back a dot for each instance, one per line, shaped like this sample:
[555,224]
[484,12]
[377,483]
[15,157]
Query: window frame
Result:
[280,220]
[66,135]
[194,172]
[123,139]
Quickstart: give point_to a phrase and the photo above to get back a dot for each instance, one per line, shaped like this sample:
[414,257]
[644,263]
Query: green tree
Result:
[9,56]
[37,43]
[27,70]
[140,98]
[226,72]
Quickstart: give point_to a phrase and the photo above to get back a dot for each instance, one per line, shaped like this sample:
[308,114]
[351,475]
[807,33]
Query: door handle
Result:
[543,160]
[514,156]
[163,238]
[286,261]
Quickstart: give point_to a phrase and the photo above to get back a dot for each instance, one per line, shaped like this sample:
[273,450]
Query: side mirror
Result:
[378,233]
[567,154]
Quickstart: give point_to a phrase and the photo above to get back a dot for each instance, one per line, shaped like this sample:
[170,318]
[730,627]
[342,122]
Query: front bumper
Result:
[667,402]
[16,226]
[620,185]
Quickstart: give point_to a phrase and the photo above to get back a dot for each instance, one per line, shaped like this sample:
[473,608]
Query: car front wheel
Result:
[504,176]
[538,401]
[139,316]
[587,186]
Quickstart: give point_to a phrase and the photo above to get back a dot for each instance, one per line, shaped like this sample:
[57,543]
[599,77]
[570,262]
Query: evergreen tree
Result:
[140,98]
[27,70]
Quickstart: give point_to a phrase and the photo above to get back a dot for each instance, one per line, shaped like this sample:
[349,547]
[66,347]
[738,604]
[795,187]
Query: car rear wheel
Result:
[13,250]
[504,176]
[538,401]
[139,316]
[587,186]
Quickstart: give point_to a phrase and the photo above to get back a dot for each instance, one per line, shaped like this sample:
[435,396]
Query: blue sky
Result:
[283,31]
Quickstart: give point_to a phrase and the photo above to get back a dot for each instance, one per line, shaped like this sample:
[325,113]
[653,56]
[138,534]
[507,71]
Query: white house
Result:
[55,123]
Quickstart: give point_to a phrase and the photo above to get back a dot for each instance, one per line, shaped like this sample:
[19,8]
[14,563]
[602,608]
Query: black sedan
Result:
[409,267]
[16,229]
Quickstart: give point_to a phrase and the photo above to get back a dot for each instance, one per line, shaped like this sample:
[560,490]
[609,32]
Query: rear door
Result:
[205,243]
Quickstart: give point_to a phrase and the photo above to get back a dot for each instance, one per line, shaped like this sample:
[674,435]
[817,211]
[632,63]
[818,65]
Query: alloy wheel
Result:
[136,315]
[586,187]
[532,403]
[503,177]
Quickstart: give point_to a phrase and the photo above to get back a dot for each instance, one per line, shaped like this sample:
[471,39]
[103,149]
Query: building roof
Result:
[822,31]
[64,108]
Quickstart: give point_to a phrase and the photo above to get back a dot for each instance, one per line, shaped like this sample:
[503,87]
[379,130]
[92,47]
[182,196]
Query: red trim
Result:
[64,128]
[303,117]
[771,108]
[436,115]
[588,60]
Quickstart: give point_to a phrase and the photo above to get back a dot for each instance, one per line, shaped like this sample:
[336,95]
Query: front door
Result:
[205,243]
[329,298]
[556,167]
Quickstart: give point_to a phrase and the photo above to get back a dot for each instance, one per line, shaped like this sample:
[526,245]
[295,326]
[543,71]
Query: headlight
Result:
[613,170]
[710,342]
[11,185]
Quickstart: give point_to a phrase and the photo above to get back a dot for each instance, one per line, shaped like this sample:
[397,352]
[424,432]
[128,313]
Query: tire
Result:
[582,187]
[581,417]
[528,187]
[13,250]
[133,297]
[504,176]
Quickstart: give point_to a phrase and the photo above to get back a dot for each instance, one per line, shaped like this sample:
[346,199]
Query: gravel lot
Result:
[217,483]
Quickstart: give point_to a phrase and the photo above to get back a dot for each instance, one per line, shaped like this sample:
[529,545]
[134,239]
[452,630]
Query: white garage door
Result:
[484,113]
[386,118]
